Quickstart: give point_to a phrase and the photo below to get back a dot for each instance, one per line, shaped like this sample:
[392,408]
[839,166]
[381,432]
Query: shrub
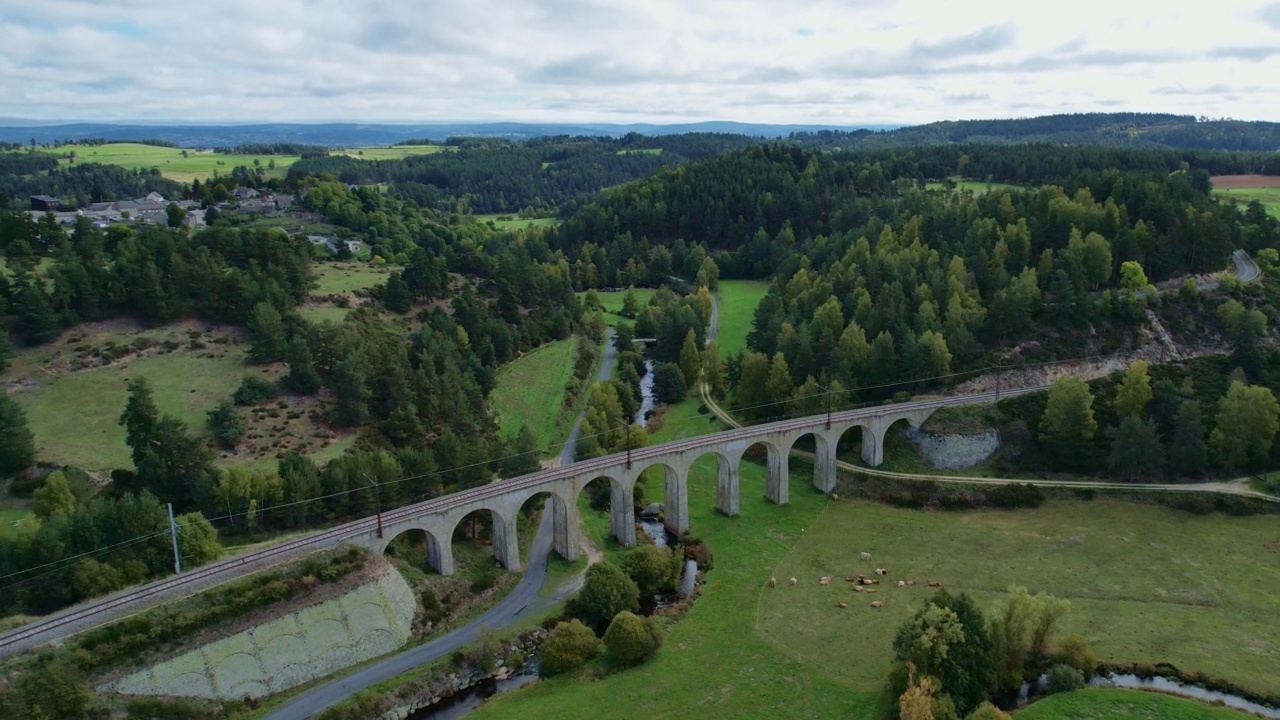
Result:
[1062,678]
[254,391]
[1015,496]
[606,592]
[650,567]
[631,638]
[1074,652]
[568,645]
[486,581]
[987,711]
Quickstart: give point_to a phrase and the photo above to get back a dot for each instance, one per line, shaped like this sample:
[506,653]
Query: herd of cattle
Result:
[860,582]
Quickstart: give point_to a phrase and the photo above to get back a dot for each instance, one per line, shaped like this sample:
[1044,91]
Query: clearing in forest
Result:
[530,390]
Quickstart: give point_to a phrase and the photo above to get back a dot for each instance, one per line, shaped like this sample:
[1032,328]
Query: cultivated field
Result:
[1146,584]
[530,390]
[391,152]
[1115,704]
[170,161]
[738,300]
[1244,189]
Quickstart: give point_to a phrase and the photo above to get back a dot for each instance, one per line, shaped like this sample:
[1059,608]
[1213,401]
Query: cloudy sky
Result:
[841,62]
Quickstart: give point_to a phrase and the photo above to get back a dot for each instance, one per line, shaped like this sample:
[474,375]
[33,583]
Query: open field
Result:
[324,313]
[197,164]
[10,517]
[515,223]
[710,666]
[338,278]
[738,300]
[530,390]
[641,151]
[611,301]
[977,187]
[1238,182]
[1115,704]
[391,152]
[1269,197]
[1146,584]
[74,390]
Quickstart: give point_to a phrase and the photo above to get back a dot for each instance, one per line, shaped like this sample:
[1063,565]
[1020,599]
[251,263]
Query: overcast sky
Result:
[840,62]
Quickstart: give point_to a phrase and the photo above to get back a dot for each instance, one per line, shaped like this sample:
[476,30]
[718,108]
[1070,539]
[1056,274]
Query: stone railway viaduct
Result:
[439,517]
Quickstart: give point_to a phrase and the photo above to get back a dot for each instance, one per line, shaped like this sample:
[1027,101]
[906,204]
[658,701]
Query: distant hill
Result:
[354,135]
[1128,130]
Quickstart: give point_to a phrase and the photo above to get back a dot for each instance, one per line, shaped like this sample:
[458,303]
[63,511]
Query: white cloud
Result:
[817,61]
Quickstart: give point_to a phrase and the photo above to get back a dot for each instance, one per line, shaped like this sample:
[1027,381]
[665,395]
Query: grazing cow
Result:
[861,576]
[849,579]
[881,571]
[793,581]
[824,582]
[865,555]
[842,605]
[825,578]
[857,588]
[912,583]
[835,496]
[872,590]
[934,583]
[875,582]
[877,604]
[773,581]
[902,583]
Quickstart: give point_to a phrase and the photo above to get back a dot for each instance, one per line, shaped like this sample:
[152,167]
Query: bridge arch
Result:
[620,504]
[771,449]
[558,510]
[820,444]
[852,437]
[727,491]
[675,506]
[421,543]
[473,524]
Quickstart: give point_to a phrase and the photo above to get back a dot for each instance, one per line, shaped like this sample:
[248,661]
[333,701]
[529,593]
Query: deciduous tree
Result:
[1248,417]
[631,638]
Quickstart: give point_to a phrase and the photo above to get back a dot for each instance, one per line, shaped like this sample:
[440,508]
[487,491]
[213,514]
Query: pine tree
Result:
[227,424]
[139,419]
[302,378]
[1135,448]
[397,297]
[17,444]
[1188,454]
[299,480]
[267,342]
[690,360]
[350,394]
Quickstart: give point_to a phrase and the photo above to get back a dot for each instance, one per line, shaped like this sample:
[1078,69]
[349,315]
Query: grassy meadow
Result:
[1269,197]
[530,390]
[1146,584]
[339,278]
[611,301]
[738,300]
[198,164]
[391,152]
[1116,704]
[977,187]
[512,222]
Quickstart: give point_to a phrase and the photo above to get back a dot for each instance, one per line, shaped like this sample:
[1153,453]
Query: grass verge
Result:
[738,301]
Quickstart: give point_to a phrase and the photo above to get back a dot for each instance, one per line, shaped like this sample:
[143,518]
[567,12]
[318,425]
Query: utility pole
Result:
[173,532]
[997,383]
[627,426]
[377,499]
[828,388]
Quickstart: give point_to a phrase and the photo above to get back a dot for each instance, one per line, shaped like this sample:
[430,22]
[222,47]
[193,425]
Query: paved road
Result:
[606,369]
[1246,268]
[521,604]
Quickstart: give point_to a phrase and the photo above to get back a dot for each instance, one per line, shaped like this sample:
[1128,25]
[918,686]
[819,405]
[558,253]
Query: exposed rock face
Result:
[955,452]
[369,621]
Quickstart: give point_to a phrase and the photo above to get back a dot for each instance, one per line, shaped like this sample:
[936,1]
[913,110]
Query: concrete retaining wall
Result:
[955,452]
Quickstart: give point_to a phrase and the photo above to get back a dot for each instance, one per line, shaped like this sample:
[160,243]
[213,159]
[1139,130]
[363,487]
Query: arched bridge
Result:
[439,517]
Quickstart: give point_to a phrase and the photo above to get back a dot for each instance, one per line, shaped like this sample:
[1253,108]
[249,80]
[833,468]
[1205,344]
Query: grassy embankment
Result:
[340,278]
[198,164]
[1115,704]
[1269,197]
[73,391]
[530,390]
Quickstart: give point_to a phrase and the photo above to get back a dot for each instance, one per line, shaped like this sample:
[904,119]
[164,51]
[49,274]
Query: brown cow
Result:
[935,583]
[875,582]
[877,604]
[849,579]
[842,605]
[912,583]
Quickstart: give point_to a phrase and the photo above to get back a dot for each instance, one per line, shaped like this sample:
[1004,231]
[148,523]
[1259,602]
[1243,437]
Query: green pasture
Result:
[1116,704]
[641,151]
[75,416]
[515,223]
[531,389]
[12,517]
[391,152]
[324,313]
[198,164]
[1269,197]
[738,300]
[611,301]
[1146,584]
[337,278]
[977,187]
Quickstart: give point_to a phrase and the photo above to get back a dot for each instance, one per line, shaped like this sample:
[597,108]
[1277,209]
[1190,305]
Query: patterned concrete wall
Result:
[369,621]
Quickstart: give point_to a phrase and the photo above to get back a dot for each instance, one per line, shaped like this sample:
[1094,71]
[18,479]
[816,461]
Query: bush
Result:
[1015,496]
[987,711]
[650,567]
[606,592]
[1062,678]
[1074,652]
[255,391]
[631,638]
[568,645]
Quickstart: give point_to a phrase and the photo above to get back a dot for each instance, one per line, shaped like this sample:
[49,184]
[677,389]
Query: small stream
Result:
[646,395]
[1192,691]
[459,705]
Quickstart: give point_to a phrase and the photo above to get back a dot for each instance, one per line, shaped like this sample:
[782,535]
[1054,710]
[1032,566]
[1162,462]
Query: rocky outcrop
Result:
[370,620]
[955,452]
